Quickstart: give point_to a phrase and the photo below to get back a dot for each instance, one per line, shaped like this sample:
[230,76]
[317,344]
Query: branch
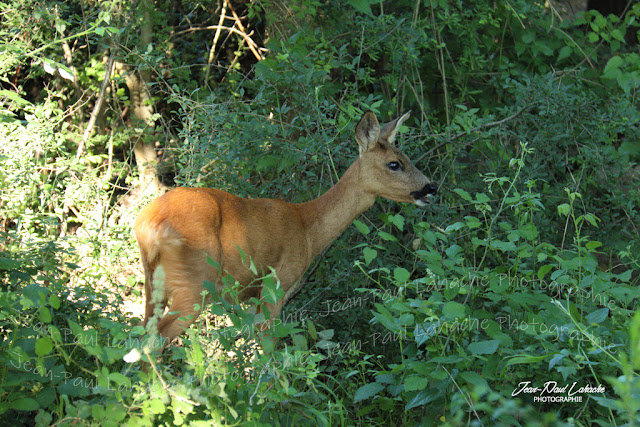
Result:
[257,54]
[245,36]
[97,106]
[477,128]
[212,52]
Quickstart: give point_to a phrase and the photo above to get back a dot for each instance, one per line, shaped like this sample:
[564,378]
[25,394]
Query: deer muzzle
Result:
[422,196]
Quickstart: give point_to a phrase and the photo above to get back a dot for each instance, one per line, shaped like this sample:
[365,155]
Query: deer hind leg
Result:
[149,263]
[274,310]
[150,305]
[185,271]
[148,240]
[182,313]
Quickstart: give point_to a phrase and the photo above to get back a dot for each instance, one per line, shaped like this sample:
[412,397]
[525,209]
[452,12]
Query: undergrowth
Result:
[510,300]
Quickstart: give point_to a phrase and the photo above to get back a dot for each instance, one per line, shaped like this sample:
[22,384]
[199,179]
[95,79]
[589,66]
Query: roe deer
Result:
[179,229]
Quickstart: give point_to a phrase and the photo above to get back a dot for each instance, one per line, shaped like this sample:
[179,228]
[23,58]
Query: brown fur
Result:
[179,229]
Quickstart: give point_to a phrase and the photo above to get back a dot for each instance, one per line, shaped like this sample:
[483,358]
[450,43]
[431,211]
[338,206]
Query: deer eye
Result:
[394,166]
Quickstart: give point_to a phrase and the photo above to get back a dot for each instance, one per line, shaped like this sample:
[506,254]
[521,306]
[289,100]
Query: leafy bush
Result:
[525,270]
[465,331]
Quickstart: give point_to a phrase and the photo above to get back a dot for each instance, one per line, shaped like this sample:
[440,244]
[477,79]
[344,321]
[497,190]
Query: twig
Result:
[212,52]
[586,57]
[477,128]
[215,27]
[516,15]
[97,106]
[257,54]
[68,56]
[492,124]
[465,395]
[166,386]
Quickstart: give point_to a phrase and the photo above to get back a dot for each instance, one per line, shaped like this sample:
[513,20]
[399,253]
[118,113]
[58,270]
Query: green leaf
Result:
[156,406]
[617,34]
[44,314]
[361,226]
[65,72]
[453,251]
[466,196]
[252,267]
[503,246]
[54,301]
[119,379]
[415,382]
[564,53]
[475,379]
[401,275]
[386,236]
[312,329]
[385,318]
[423,397]
[608,403]
[14,97]
[634,335]
[44,346]
[483,347]
[598,316]
[273,291]
[267,344]
[567,371]
[478,242]
[591,219]
[367,391]
[593,245]
[398,221]
[98,412]
[453,310]
[369,255]
[555,359]
[454,227]
[472,221]
[529,231]
[612,66]
[564,209]
[544,270]
[629,148]
[75,328]
[544,49]
[213,263]
[519,360]
[300,342]
[326,334]
[528,36]
[241,252]
[25,404]
[482,198]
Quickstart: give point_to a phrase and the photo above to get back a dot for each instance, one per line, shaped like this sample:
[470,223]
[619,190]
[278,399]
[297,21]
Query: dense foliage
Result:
[524,272]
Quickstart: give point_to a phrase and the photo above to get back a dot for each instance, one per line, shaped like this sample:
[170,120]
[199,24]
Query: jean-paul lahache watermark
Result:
[551,391]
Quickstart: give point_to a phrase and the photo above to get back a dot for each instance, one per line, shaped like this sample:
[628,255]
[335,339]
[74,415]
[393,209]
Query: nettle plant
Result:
[490,303]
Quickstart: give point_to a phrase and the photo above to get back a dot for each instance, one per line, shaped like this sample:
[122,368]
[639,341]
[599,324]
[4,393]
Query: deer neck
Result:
[330,214]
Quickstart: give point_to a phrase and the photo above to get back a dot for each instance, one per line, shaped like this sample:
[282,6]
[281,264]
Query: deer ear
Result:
[367,131]
[390,130]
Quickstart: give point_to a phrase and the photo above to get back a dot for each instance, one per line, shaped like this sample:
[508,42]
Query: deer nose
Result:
[421,196]
[431,188]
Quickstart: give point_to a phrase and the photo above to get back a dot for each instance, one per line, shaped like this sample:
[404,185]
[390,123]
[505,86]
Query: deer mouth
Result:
[422,197]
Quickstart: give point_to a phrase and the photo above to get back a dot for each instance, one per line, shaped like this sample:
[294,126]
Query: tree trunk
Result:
[142,109]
